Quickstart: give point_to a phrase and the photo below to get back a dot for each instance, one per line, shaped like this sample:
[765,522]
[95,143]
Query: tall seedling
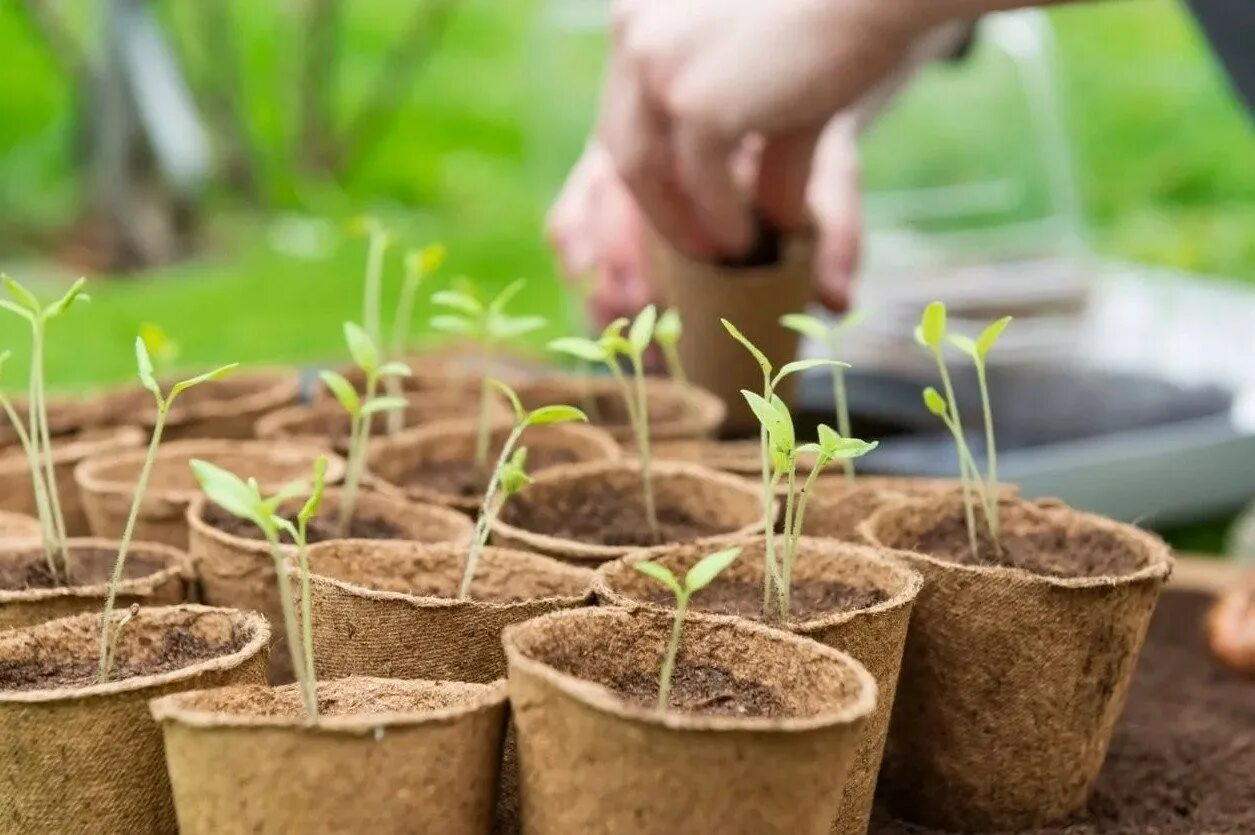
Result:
[419,264]
[378,241]
[490,325]
[362,409]
[108,632]
[509,476]
[667,334]
[38,488]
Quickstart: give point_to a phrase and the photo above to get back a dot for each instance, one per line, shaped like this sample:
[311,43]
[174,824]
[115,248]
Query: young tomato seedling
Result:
[378,241]
[667,334]
[509,476]
[419,264]
[164,402]
[38,487]
[696,579]
[490,325]
[361,409]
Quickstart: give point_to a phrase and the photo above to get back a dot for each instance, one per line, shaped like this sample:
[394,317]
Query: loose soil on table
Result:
[93,566]
[810,598]
[1183,756]
[321,529]
[467,479]
[591,519]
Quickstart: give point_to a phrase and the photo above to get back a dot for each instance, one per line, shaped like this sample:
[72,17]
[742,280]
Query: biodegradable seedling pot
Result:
[226,408]
[436,463]
[87,757]
[761,733]
[17,527]
[325,422]
[429,374]
[850,597]
[17,495]
[235,568]
[1014,673]
[590,513]
[385,756]
[107,482]
[675,411]
[154,575]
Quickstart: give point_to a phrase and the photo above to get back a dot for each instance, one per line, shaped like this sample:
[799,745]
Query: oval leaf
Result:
[852,320]
[396,368]
[310,509]
[642,331]
[989,337]
[361,348]
[506,327]
[669,328]
[145,364]
[762,410]
[519,412]
[828,437]
[758,355]
[850,448]
[343,391]
[935,402]
[964,344]
[660,573]
[5,304]
[805,325]
[555,414]
[708,568]
[24,298]
[385,404]
[798,366]
[208,377]
[584,349]
[932,325]
[497,305]
[457,300]
[225,489]
[453,324]
[62,304]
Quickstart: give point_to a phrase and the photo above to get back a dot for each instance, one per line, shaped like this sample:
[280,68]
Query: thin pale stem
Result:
[487,514]
[968,512]
[373,286]
[770,571]
[358,443]
[841,402]
[991,454]
[675,369]
[124,547]
[307,605]
[634,416]
[39,427]
[673,651]
[786,567]
[37,485]
[803,499]
[483,433]
[642,441]
[400,342]
[115,635]
[586,392]
[300,665]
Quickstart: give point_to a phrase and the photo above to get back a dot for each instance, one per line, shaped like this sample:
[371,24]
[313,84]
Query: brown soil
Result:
[469,480]
[92,566]
[702,690]
[591,519]
[321,529]
[1182,757]
[811,598]
[179,649]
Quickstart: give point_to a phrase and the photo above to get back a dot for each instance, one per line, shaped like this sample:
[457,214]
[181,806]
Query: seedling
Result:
[696,579]
[776,420]
[361,409]
[163,350]
[38,488]
[490,325]
[509,476]
[378,241]
[244,500]
[164,402]
[419,264]
[667,334]
[607,351]
[39,444]
[771,380]
[830,335]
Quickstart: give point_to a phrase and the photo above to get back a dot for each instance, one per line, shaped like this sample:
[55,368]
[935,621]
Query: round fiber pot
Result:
[325,422]
[86,757]
[154,575]
[429,374]
[850,597]
[590,513]
[18,526]
[391,609]
[386,756]
[225,408]
[1015,669]
[107,482]
[675,411]
[742,456]
[17,495]
[837,507]
[235,568]
[436,463]
[762,729]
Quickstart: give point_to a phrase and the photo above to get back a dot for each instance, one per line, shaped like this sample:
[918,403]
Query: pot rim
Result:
[699,420]
[177,565]
[276,385]
[113,440]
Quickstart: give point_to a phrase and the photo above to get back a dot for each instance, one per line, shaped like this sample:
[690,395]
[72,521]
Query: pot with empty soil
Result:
[235,568]
[850,597]
[82,756]
[384,756]
[106,482]
[591,513]
[760,729]
[439,463]
[1018,660]
[154,575]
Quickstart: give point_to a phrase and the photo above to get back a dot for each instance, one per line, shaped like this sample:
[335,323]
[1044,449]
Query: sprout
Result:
[667,334]
[361,409]
[697,578]
[38,488]
[114,636]
[164,402]
[378,241]
[419,264]
[509,475]
[244,500]
[163,350]
[830,335]
[489,324]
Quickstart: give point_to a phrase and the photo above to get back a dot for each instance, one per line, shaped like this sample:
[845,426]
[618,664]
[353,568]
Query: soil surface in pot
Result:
[321,529]
[810,598]
[470,480]
[607,523]
[341,697]
[1183,752]
[93,566]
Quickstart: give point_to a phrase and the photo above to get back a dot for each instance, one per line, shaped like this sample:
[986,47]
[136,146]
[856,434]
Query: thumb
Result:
[835,203]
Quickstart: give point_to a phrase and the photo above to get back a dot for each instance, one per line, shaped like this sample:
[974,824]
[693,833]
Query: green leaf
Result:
[964,344]
[806,325]
[226,490]
[505,327]
[430,258]
[763,410]
[555,414]
[343,391]
[798,366]
[935,403]
[62,304]
[932,325]
[828,437]
[209,376]
[784,433]
[457,300]
[497,306]
[708,568]
[145,364]
[361,348]
[660,573]
[310,509]
[669,328]
[384,404]
[4,357]
[395,368]
[852,320]
[585,349]
[5,304]
[758,355]
[850,448]
[514,475]
[989,337]
[454,324]
[270,506]
[642,331]
[810,449]
[520,414]
[25,298]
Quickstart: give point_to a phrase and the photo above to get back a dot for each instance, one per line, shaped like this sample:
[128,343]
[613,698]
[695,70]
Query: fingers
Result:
[704,166]
[783,175]
[568,226]
[834,199]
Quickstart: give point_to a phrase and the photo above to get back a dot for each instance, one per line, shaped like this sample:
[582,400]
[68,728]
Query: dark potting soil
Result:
[621,523]
[321,528]
[92,566]
[469,480]
[1182,760]
[810,598]
[702,690]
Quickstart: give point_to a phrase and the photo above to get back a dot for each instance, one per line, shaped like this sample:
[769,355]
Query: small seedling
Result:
[38,488]
[509,476]
[830,335]
[378,240]
[697,578]
[490,325]
[362,409]
[164,402]
[667,334]
[163,350]
[115,635]
[244,500]
[419,264]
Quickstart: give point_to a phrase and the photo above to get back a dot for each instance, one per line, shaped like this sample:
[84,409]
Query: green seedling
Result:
[667,334]
[163,350]
[697,578]
[115,635]
[38,487]
[776,420]
[361,409]
[244,500]
[771,380]
[490,325]
[419,264]
[39,443]
[378,240]
[607,350]
[509,477]
[164,402]
[830,336]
